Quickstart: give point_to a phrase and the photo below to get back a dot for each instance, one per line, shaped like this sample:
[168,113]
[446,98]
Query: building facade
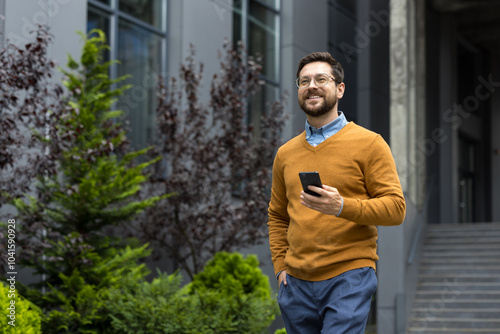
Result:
[422,73]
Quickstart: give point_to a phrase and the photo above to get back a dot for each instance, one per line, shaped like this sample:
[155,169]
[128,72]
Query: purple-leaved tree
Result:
[217,165]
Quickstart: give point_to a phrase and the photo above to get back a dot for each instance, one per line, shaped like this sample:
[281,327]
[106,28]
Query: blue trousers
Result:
[339,305]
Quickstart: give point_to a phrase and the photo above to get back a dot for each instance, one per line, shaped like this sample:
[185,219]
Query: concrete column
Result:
[391,245]
[407,119]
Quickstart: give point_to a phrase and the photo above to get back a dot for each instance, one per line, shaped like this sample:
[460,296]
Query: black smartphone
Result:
[310,178]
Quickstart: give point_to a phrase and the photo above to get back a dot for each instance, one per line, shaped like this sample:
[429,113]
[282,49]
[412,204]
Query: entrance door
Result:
[467,181]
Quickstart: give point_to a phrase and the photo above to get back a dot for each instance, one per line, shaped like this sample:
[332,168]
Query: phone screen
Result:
[310,178]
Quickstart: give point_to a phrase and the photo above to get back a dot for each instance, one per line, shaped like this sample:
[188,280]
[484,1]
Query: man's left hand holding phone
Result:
[323,198]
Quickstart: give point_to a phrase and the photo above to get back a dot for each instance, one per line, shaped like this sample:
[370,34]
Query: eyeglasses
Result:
[320,79]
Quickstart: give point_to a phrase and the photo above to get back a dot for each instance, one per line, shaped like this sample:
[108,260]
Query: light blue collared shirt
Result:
[317,136]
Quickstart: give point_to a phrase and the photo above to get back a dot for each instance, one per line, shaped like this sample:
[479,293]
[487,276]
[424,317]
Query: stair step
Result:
[431,330]
[460,254]
[471,323]
[462,241]
[458,286]
[459,293]
[493,260]
[464,227]
[452,301]
[446,234]
[461,277]
[468,266]
[478,246]
[458,312]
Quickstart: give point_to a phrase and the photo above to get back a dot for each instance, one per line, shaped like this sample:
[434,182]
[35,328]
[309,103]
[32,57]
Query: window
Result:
[256,24]
[136,31]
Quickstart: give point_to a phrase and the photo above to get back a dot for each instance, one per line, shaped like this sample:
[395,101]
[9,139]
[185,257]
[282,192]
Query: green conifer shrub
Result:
[26,320]
[98,178]
[78,304]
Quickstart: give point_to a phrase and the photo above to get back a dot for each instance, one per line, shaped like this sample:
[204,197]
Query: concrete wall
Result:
[202,23]
[63,17]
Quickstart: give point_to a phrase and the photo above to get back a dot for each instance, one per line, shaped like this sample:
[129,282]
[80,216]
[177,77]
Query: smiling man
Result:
[324,249]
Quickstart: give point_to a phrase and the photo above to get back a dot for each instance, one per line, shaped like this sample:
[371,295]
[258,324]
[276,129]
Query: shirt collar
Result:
[328,130]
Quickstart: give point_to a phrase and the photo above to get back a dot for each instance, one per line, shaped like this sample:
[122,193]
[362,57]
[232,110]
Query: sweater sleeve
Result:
[386,205]
[278,218]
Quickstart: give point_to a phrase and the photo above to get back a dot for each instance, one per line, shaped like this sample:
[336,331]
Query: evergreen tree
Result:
[97,179]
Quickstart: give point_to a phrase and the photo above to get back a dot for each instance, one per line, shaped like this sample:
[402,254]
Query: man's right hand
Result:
[282,278]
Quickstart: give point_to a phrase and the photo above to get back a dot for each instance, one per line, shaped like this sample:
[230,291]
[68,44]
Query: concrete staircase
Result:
[459,282]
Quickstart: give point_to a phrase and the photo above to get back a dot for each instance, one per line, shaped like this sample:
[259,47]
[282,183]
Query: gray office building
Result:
[425,74]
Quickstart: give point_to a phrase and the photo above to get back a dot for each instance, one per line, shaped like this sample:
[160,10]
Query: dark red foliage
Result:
[217,166]
[26,96]
[29,111]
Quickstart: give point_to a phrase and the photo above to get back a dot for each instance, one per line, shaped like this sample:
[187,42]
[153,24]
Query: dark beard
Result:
[324,109]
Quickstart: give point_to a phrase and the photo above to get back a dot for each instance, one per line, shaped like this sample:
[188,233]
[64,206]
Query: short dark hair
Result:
[325,57]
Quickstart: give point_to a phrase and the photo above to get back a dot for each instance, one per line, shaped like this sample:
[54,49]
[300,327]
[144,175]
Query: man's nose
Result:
[312,84]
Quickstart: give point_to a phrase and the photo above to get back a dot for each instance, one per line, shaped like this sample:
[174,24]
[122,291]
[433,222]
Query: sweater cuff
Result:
[341,207]
[350,209]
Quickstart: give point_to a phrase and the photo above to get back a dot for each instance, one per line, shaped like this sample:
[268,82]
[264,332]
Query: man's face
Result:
[319,100]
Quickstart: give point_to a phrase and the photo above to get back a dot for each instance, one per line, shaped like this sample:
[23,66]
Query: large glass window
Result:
[262,37]
[148,11]
[256,24]
[97,19]
[136,33]
[140,54]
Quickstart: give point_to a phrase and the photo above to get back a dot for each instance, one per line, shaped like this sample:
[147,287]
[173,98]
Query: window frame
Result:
[244,28]
[115,16]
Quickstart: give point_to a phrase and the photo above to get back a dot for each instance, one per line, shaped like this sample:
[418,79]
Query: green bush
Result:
[27,317]
[141,307]
[222,304]
[233,274]
[234,291]
[280,331]
[78,304]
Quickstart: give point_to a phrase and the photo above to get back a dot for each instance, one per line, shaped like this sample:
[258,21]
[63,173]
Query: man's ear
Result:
[340,90]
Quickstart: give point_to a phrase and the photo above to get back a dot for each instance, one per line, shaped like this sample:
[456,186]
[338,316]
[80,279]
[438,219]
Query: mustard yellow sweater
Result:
[313,246]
